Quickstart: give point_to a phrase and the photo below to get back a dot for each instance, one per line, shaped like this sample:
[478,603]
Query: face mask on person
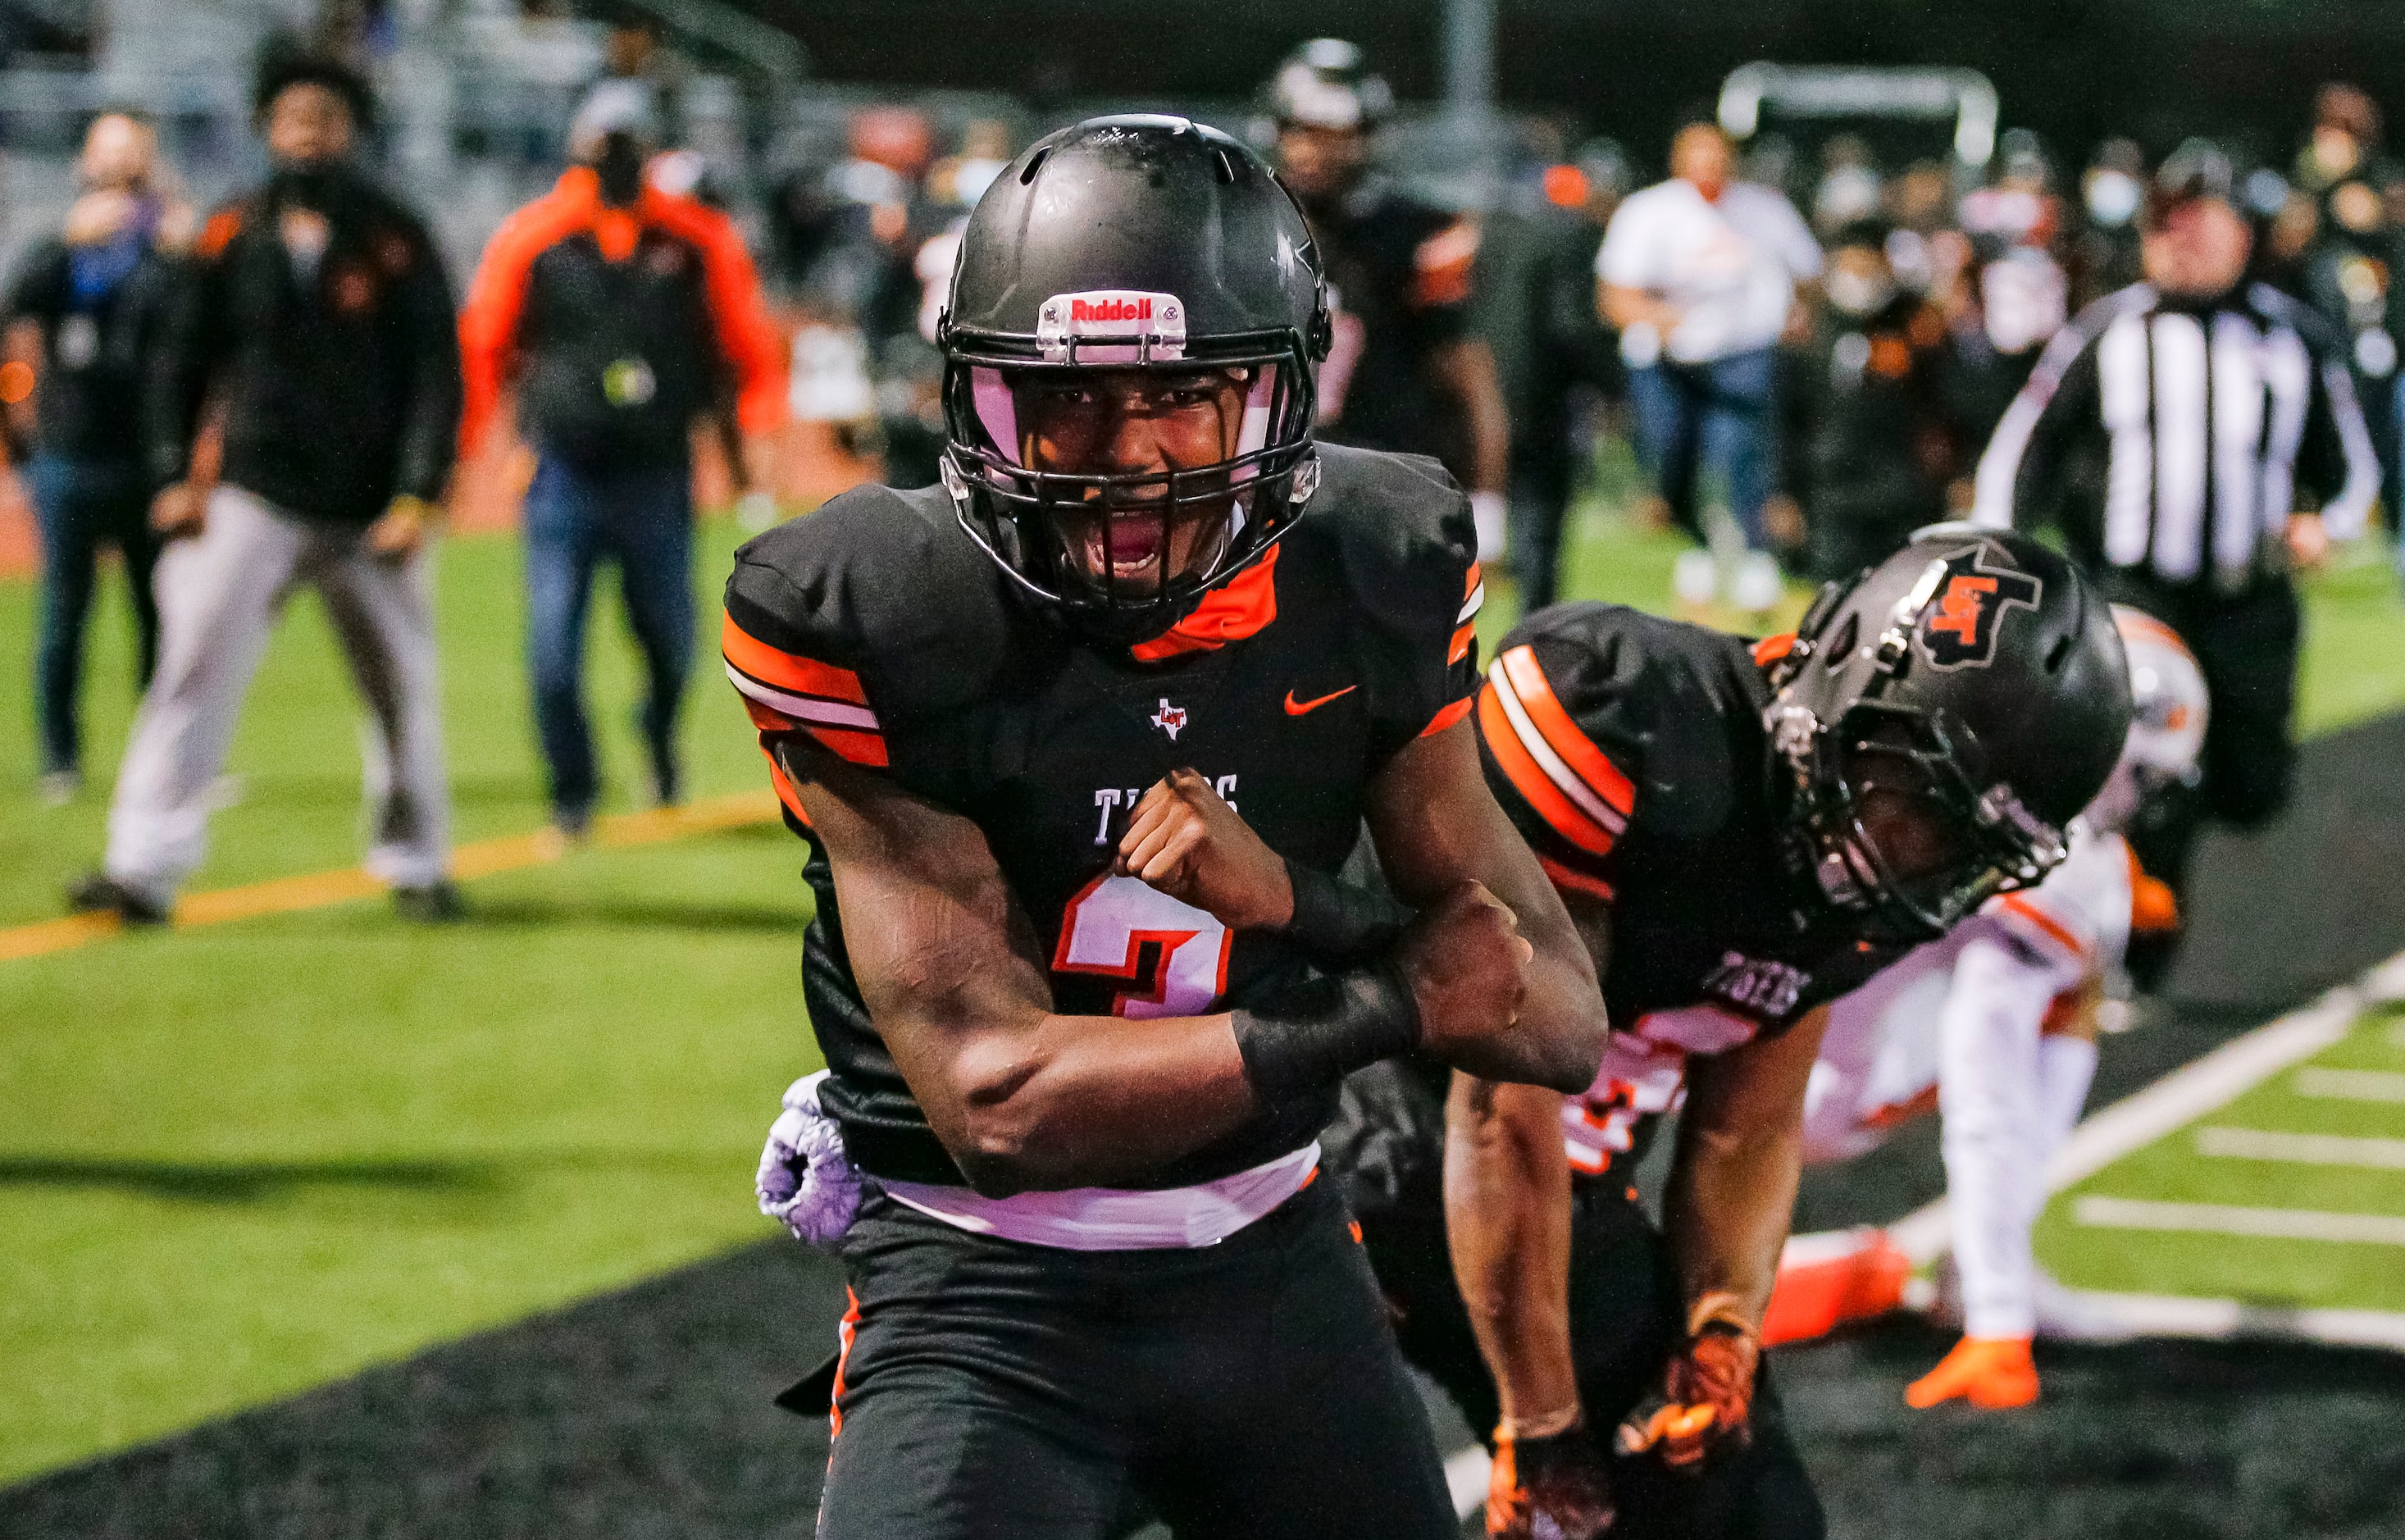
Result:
[1858,292]
[2113,197]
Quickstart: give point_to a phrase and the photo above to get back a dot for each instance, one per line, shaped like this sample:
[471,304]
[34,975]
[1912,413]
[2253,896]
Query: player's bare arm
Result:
[1436,826]
[1021,1096]
[1732,1187]
[1507,1200]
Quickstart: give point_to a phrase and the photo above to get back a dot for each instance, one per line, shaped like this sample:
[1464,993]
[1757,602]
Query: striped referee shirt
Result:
[2173,439]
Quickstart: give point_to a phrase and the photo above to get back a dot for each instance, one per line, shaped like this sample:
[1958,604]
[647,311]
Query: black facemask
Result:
[307,184]
[620,167]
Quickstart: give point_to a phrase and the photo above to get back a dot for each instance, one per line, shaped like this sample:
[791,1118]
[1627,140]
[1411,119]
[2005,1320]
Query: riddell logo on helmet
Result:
[1111,310]
[1961,626]
[1111,325]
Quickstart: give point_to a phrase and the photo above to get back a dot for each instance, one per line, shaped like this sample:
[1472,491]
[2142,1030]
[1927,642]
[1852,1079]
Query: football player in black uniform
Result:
[1092,1264]
[1740,837]
[1404,371]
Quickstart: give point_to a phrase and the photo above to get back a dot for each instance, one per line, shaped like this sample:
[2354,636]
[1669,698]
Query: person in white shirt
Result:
[1699,275]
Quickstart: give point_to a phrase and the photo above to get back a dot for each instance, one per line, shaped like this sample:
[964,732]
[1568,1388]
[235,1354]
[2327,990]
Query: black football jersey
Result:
[1630,752]
[879,628]
[1398,288]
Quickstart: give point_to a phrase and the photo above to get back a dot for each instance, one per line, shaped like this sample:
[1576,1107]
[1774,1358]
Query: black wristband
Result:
[1335,921]
[1325,1027]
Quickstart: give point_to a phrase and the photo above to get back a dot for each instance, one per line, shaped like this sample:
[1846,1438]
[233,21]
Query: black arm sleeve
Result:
[191,341]
[429,434]
[1337,922]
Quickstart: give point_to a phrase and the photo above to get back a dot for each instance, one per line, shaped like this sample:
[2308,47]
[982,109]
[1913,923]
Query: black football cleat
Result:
[434,904]
[98,893]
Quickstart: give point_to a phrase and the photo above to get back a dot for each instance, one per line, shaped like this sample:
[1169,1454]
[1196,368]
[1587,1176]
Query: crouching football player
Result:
[1740,837]
[1078,1078]
[1995,1026]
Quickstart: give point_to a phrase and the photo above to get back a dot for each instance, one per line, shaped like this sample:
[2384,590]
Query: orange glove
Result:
[1553,1485]
[1707,1393]
[1992,1371]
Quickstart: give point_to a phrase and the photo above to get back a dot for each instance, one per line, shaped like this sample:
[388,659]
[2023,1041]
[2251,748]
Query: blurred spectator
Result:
[2104,255]
[316,313]
[1875,445]
[1700,272]
[622,313]
[2173,435]
[83,314]
[2015,292]
[1850,190]
[1553,356]
[1403,371]
[2346,271]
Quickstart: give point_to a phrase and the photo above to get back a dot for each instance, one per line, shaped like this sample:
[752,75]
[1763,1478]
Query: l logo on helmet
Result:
[1112,326]
[1963,621]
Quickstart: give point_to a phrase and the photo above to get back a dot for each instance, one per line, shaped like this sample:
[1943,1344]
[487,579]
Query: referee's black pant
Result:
[2246,644]
[1246,1390]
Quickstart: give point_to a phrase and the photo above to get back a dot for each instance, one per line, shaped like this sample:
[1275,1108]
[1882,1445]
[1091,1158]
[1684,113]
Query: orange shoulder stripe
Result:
[1462,641]
[788,670]
[1529,779]
[1536,695]
[785,792]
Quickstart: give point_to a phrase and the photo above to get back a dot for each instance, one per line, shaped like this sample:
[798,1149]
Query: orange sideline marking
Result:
[321,889]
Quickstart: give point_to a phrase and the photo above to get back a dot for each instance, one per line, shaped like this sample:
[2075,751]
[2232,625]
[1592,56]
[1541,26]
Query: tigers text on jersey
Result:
[1630,752]
[876,627]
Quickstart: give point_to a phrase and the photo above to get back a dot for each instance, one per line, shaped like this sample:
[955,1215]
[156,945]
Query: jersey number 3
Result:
[1173,955]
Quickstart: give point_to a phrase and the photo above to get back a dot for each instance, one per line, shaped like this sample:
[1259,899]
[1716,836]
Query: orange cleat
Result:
[1828,1280]
[1993,1371]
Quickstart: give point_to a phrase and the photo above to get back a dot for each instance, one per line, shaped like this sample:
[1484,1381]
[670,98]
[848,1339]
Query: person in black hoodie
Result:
[81,313]
[1874,442]
[316,317]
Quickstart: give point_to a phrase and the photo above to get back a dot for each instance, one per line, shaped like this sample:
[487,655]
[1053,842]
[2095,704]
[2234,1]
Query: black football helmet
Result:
[1938,722]
[1132,243]
[1327,83]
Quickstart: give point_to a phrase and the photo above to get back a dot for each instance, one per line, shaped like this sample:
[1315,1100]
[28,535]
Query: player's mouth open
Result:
[1129,545]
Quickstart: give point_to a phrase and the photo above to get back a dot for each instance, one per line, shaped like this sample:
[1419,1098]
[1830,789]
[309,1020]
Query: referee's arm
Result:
[2335,460]
[2017,478]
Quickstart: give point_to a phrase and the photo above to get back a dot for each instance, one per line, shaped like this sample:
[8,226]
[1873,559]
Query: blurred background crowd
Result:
[1799,379]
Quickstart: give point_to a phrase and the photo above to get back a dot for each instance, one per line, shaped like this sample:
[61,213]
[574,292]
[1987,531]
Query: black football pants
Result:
[1250,1389]
[1626,1318]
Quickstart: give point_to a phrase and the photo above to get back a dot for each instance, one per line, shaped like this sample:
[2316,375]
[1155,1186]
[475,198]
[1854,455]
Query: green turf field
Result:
[2315,1147]
[241,1160]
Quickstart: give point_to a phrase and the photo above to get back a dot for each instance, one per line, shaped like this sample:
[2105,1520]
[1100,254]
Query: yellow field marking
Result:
[321,889]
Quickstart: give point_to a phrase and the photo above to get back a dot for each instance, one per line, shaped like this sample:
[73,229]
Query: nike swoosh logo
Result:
[1296,708]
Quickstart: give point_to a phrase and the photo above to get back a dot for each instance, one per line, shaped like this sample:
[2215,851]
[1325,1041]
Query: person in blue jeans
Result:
[622,315]
[1700,275]
[640,519]
[81,317]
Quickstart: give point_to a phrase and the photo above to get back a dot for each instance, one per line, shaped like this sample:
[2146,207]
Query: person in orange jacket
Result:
[621,314]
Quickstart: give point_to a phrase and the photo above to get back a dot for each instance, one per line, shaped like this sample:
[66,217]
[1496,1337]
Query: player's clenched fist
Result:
[1706,1396]
[1542,1487]
[1186,842]
[1464,960]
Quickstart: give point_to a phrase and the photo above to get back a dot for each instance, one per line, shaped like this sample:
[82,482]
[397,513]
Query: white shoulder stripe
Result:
[1470,607]
[1570,784]
[803,707]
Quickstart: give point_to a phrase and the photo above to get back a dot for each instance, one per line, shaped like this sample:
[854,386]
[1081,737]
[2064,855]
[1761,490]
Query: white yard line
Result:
[2373,1155]
[2349,1085]
[2179,1098]
[2219,1219]
[2172,1315]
